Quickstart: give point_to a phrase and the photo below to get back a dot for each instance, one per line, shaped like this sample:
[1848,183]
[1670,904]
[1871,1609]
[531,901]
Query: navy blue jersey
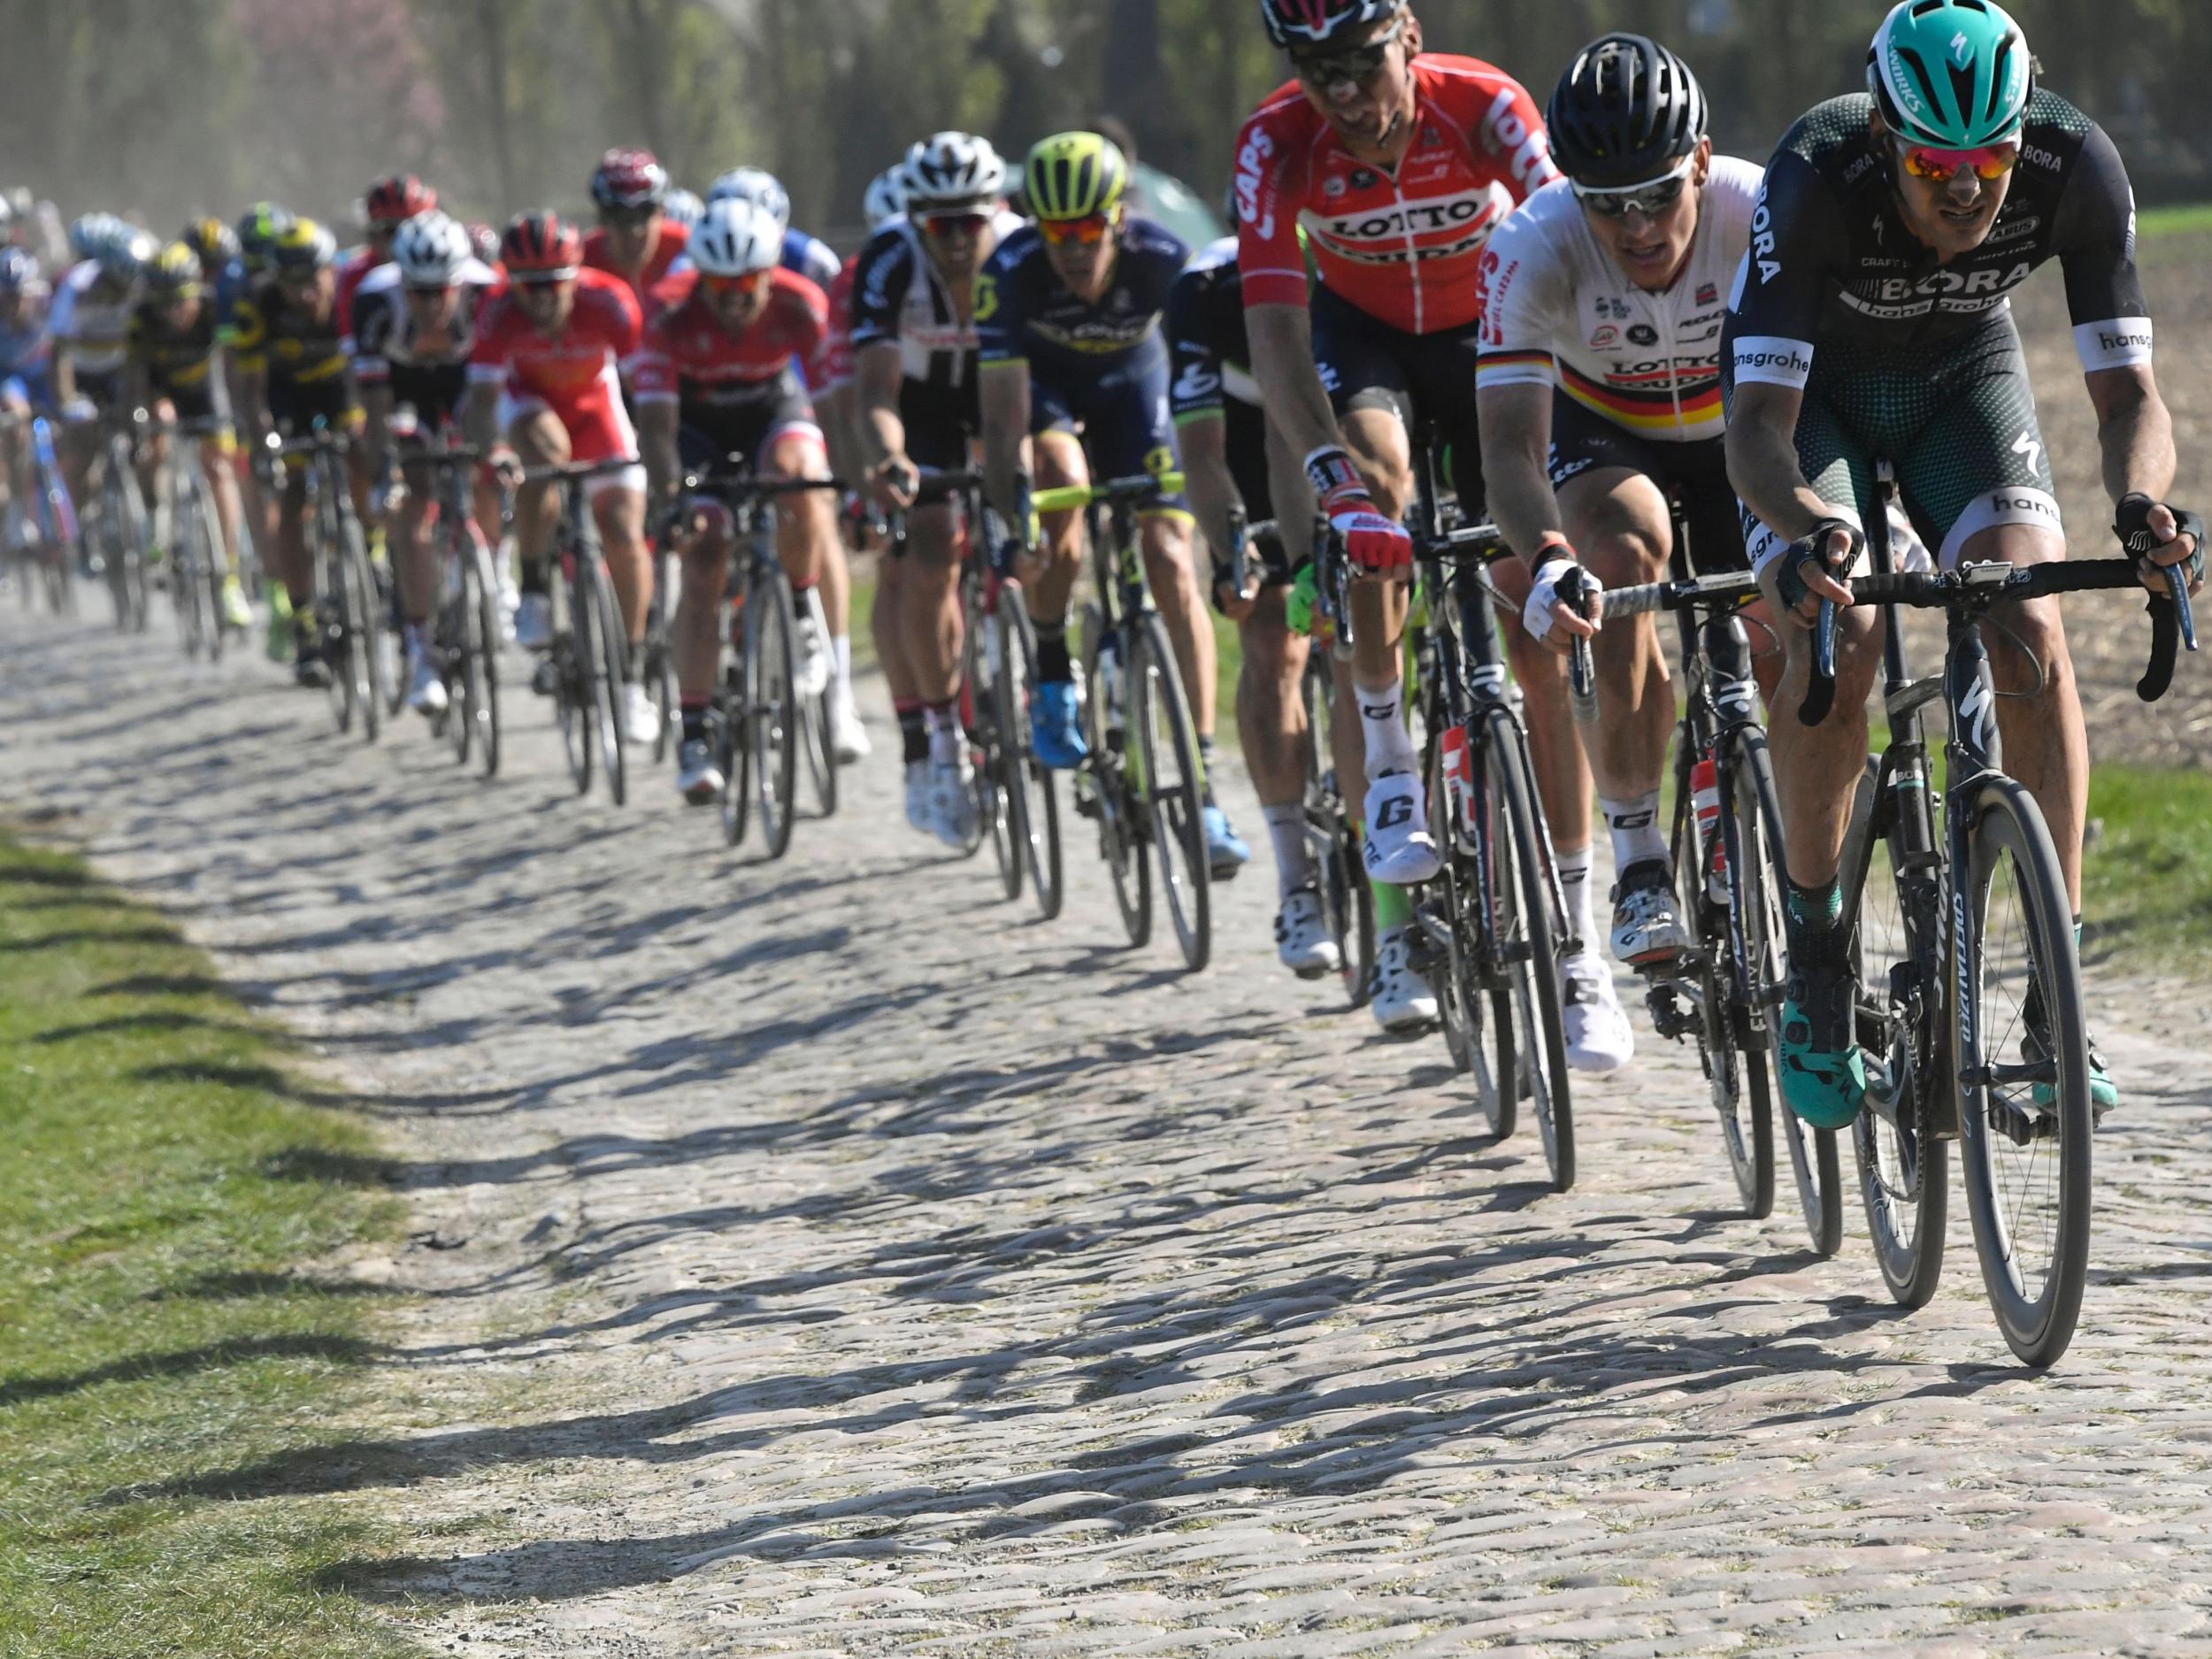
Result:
[1025,313]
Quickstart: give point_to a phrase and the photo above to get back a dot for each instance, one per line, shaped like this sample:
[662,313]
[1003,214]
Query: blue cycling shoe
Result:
[1055,727]
[1225,854]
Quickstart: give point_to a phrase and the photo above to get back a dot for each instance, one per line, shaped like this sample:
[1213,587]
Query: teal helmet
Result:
[1954,74]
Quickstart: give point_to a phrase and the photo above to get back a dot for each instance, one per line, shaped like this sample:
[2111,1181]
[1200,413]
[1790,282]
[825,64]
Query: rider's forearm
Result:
[2135,436]
[882,433]
[1005,399]
[1281,338]
[1214,497]
[657,438]
[1764,472]
[1521,498]
[481,415]
[878,378]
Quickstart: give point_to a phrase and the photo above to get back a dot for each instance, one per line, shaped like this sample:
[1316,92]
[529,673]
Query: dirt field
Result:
[2110,640]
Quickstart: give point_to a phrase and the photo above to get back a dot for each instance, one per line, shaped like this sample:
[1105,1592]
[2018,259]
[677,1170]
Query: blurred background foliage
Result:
[164,107]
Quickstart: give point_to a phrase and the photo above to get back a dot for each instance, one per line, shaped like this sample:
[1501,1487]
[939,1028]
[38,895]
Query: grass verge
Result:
[2147,881]
[160,1190]
[2186,219]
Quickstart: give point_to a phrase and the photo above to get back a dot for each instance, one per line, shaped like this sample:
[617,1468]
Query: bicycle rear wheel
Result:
[1174,789]
[2024,1114]
[1031,794]
[1746,1111]
[771,709]
[1106,774]
[1528,943]
[1752,833]
[1464,1001]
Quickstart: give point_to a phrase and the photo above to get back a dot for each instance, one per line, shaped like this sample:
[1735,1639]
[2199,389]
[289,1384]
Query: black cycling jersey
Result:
[1025,313]
[898,295]
[1831,258]
[388,350]
[175,359]
[1206,340]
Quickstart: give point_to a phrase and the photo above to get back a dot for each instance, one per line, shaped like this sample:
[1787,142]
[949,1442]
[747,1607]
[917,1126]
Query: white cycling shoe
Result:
[1402,1003]
[534,622]
[1647,920]
[698,780]
[426,686]
[1397,847]
[640,720]
[918,797]
[809,659]
[954,817]
[1302,937]
[849,739]
[1599,1037]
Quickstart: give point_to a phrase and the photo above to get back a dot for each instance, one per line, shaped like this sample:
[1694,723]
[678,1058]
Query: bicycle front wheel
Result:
[771,705]
[1174,783]
[982,669]
[187,592]
[2025,1113]
[1106,774]
[1346,909]
[1031,794]
[610,688]
[1733,1085]
[1455,912]
[1528,947]
[365,631]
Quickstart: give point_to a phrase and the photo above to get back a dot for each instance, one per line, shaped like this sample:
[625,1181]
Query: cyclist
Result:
[285,338]
[635,239]
[544,371]
[715,379]
[1598,386]
[1069,313]
[1871,320]
[257,231]
[172,355]
[25,359]
[914,370]
[214,244]
[884,207]
[1399,165]
[1233,461]
[87,324]
[808,256]
[414,329]
[389,203]
[681,209]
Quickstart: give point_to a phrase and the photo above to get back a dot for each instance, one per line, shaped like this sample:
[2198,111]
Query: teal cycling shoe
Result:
[1816,1052]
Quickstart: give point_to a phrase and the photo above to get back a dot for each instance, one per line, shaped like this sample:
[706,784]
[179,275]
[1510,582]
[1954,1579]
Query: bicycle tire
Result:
[660,656]
[611,646]
[208,526]
[727,730]
[771,705]
[364,639]
[1745,1110]
[814,718]
[1347,909]
[1174,784]
[188,589]
[2008,830]
[137,534]
[1464,1001]
[1105,732]
[1532,971]
[1033,792]
[982,668]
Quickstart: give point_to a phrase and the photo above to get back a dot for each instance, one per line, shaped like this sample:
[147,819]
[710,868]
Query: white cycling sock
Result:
[1574,885]
[1382,720]
[842,656]
[1635,825]
[1294,858]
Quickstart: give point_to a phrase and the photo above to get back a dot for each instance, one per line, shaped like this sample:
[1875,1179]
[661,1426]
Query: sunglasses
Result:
[1989,162]
[1651,198]
[1358,63]
[724,288]
[1084,233]
[537,285]
[965,224]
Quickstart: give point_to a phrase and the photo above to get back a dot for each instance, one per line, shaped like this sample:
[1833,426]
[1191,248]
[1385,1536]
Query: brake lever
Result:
[1582,674]
[1820,696]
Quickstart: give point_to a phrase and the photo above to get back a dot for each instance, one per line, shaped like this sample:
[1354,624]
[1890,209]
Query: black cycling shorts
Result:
[1692,476]
[710,432]
[295,405]
[1366,364]
[940,422]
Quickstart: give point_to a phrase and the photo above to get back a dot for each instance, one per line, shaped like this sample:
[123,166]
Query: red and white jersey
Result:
[574,373]
[669,248]
[356,265]
[1402,244]
[688,354]
[837,351]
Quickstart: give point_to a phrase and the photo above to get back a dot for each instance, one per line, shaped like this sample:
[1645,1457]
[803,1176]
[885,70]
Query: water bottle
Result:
[1705,800]
[1459,778]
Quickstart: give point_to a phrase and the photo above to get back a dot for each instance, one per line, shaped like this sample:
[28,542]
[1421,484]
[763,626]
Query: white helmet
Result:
[950,168]
[431,250]
[736,238]
[681,207]
[886,196]
[751,184]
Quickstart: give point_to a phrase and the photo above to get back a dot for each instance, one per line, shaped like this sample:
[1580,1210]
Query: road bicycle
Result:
[193,536]
[466,632]
[587,654]
[1970,1008]
[351,609]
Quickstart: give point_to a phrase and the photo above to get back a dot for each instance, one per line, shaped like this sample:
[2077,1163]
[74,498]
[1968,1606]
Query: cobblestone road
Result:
[827,1258]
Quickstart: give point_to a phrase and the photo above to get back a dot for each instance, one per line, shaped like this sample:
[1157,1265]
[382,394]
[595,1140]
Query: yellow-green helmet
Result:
[1074,176]
[174,271]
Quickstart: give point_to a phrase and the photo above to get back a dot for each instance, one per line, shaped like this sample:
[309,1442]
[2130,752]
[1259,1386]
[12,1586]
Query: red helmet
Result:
[1293,23]
[399,198]
[485,241]
[629,178]
[543,246]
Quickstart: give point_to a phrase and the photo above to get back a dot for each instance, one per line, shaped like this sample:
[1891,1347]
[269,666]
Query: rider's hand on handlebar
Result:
[1234,601]
[1801,574]
[1550,620]
[1375,545]
[895,483]
[2161,536]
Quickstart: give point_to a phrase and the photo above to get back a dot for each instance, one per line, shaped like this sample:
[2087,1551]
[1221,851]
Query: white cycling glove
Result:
[1543,593]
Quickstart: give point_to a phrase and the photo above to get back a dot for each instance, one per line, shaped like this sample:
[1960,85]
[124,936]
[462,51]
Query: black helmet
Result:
[1626,109]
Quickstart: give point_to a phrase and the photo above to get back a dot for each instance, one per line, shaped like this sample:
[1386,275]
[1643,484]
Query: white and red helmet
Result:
[1295,24]
[628,179]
